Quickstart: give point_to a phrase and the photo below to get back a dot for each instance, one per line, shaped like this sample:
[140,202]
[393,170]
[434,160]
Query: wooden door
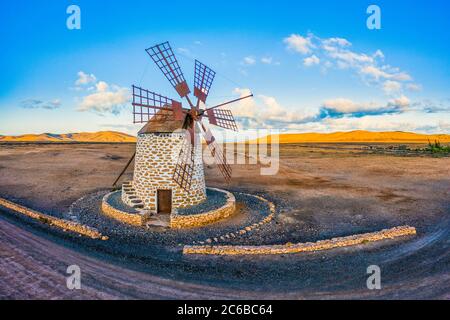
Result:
[164,201]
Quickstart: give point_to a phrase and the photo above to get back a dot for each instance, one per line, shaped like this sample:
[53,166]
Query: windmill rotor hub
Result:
[195,114]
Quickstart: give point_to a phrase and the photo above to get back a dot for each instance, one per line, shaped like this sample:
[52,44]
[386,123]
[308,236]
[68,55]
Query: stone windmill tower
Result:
[168,171]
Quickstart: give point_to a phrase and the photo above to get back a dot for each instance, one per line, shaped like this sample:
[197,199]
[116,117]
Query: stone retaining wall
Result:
[302,247]
[135,219]
[201,219]
[53,221]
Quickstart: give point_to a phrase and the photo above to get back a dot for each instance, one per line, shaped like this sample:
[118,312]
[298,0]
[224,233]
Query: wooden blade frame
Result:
[162,54]
[184,169]
[222,118]
[203,79]
[217,153]
[147,105]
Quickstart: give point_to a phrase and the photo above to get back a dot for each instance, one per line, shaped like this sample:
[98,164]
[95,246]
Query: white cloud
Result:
[391,87]
[336,108]
[401,102]
[84,78]
[337,52]
[273,110]
[375,72]
[330,42]
[310,61]
[184,51]
[40,104]
[266,60]
[262,111]
[298,43]
[105,101]
[344,105]
[245,108]
[350,59]
[265,111]
[102,86]
[105,98]
[249,60]
[378,54]
[414,87]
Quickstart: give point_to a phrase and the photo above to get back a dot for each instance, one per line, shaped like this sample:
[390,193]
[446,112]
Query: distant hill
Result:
[101,136]
[361,136]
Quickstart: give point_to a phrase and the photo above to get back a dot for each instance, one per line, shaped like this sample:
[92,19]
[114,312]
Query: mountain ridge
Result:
[359,136]
[100,136]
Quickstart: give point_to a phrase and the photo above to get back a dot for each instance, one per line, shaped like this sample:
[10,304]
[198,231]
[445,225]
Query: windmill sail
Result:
[203,79]
[217,153]
[184,169]
[162,54]
[147,105]
[222,118]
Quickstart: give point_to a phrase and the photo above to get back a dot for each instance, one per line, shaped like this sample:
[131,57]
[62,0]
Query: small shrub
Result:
[437,147]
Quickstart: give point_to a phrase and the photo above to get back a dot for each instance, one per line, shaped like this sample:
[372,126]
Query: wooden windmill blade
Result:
[162,54]
[217,153]
[203,79]
[222,118]
[184,168]
[148,105]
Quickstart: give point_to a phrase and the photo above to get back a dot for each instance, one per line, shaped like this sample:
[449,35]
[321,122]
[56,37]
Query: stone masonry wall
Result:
[353,240]
[202,219]
[135,219]
[53,221]
[156,158]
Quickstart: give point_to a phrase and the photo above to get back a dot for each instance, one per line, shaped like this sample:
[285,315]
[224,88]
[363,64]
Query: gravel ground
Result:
[215,200]
[115,200]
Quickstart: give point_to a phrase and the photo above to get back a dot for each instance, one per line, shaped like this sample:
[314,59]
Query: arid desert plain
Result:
[321,191]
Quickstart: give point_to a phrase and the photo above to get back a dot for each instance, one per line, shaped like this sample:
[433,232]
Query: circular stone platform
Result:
[219,205]
[252,215]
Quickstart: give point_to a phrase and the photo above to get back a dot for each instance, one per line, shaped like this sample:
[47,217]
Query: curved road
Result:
[32,267]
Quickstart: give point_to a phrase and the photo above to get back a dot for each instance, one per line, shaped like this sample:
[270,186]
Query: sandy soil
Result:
[320,193]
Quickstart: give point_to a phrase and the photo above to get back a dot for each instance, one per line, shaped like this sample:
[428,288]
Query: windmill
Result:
[159,182]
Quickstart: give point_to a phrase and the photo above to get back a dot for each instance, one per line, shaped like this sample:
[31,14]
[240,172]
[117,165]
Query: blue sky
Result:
[313,66]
